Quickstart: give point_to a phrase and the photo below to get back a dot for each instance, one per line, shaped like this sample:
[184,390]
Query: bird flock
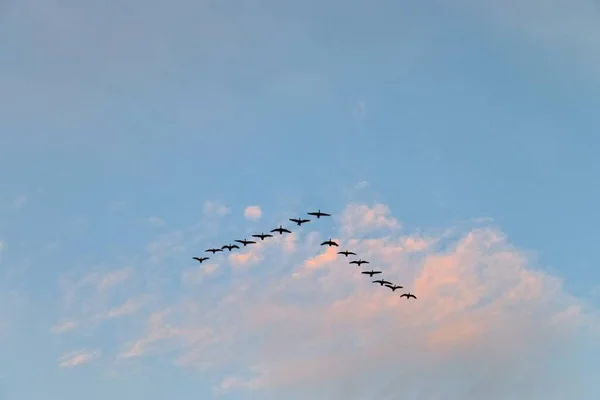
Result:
[299,221]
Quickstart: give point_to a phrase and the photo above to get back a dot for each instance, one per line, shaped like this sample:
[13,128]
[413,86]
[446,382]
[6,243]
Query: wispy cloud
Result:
[77,358]
[156,221]
[253,213]
[211,208]
[63,327]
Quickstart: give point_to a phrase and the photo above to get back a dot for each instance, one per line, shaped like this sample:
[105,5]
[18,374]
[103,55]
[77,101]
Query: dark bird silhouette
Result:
[346,253]
[319,214]
[281,230]
[359,262]
[394,287]
[329,243]
[371,273]
[262,236]
[299,221]
[201,259]
[230,247]
[245,242]
[382,282]
[408,295]
[214,250]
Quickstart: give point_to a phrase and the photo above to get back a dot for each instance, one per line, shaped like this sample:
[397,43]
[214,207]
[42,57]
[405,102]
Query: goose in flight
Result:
[200,259]
[245,242]
[371,273]
[213,250]
[319,214]
[262,236]
[329,243]
[382,282]
[408,295]
[230,247]
[281,229]
[346,253]
[394,287]
[299,221]
[359,262]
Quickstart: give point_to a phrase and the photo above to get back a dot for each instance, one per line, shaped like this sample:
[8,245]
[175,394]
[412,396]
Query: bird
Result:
[371,273]
[213,250]
[329,243]
[346,253]
[382,282]
[281,230]
[299,221]
[245,242]
[230,247]
[359,262]
[262,236]
[201,259]
[408,296]
[394,287]
[319,214]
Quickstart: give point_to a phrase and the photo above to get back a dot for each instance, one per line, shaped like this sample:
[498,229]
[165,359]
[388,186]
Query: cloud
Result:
[487,322]
[211,208]
[77,358]
[129,307]
[195,276]
[362,218]
[20,201]
[63,327]
[253,213]
[156,221]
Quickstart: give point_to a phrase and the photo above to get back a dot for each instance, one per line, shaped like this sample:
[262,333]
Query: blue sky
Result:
[132,136]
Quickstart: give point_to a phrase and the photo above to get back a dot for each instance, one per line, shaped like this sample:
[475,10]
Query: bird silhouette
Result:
[408,295]
[329,243]
[213,250]
[382,282]
[201,259]
[245,242]
[299,221]
[230,247]
[359,262]
[262,236]
[394,287]
[281,230]
[371,273]
[319,214]
[346,253]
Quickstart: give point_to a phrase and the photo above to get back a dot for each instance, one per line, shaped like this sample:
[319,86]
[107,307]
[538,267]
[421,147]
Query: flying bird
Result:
[408,295]
[281,230]
[245,242]
[262,236]
[371,273]
[214,250]
[319,214]
[346,253]
[359,262]
[201,259]
[299,221]
[329,243]
[382,282]
[394,287]
[230,247]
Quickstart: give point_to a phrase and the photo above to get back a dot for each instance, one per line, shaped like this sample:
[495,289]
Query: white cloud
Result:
[212,208]
[156,221]
[195,276]
[63,327]
[253,213]
[77,358]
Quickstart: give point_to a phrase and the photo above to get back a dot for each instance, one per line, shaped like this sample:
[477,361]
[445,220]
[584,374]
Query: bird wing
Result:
[404,295]
[256,236]
[294,220]
[240,241]
[313,213]
[413,296]
[305,220]
[225,247]
[325,215]
[235,246]
[390,286]
[276,230]
[354,262]
[334,243]
[326,242]
[250,241]
[196,258]
[366,272]
[285,230]
[377,272]
[268,235]
[349,252]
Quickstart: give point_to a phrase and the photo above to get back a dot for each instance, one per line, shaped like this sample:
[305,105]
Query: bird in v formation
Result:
[299,221]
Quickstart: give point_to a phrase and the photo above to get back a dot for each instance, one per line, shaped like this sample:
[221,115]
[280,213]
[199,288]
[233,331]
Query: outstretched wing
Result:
[235,246]
[268,235]
[366,272]
[296,220]
[240,241]
[197,259]
[413,296]
[276,230]
[376,272]
[304,220]
[354,262]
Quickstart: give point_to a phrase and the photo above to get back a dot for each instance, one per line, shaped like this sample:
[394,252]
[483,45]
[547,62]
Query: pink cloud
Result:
[77,358]
[480,302]
[253,213]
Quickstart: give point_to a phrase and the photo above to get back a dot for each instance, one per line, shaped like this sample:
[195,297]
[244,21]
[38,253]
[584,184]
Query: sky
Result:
[454,143]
